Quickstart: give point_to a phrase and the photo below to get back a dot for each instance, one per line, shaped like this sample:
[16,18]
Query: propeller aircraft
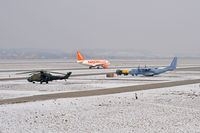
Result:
[153,71]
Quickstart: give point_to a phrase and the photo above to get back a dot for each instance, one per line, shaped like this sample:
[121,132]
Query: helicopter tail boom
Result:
[67,75]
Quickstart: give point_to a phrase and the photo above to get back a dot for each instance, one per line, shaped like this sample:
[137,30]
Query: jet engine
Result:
[105,66]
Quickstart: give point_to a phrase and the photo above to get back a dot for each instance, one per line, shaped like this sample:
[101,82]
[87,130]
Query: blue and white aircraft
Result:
[153,71]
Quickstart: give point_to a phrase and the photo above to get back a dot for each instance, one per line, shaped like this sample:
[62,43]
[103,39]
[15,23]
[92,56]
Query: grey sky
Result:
[155,25]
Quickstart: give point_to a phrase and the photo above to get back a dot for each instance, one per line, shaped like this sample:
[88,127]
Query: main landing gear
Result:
[98,67]
[42,82]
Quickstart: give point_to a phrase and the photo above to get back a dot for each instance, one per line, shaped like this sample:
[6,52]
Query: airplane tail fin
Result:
[173,64]
[80,58]
[67,75]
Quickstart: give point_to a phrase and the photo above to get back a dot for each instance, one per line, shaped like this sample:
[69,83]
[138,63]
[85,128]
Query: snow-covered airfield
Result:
[171,109]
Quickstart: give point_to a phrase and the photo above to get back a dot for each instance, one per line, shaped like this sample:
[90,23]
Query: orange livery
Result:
[92,63]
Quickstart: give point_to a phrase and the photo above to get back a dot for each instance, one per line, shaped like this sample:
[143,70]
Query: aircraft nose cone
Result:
[29,79]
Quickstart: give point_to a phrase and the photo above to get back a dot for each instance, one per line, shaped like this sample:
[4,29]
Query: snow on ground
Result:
[24,88]
[173,109]
[4,94]
[21,88]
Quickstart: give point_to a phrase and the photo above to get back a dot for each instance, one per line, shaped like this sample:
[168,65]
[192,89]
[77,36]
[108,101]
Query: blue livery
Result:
[153,71]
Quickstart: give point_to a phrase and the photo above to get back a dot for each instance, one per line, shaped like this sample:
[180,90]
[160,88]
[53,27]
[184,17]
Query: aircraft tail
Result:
[173,64]
[67,75]
[80,58]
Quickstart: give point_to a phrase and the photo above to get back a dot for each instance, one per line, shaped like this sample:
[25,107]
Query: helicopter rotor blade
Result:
[32,72]
[24,73]
[40,71]
[58,73]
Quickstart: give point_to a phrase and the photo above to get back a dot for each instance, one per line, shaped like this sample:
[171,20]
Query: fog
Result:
[165,27]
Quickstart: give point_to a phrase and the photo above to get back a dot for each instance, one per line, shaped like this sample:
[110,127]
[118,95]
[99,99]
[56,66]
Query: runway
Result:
[75,75]
[97,92]
[87,74]
[84,68]
[80,83]
[60,69]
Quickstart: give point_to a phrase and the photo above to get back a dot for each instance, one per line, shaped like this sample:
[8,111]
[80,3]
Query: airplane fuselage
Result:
[148,71]
[94,63]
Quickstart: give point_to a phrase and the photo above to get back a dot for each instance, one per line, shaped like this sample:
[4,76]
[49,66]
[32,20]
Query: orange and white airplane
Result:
[92,63]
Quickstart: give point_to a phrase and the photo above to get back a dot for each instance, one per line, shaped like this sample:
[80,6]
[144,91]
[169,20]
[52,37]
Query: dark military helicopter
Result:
[44,76]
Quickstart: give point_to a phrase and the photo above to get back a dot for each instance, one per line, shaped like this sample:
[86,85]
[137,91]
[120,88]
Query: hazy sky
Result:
[165,25]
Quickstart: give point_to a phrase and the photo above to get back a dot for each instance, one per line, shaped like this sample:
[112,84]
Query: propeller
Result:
[139,68]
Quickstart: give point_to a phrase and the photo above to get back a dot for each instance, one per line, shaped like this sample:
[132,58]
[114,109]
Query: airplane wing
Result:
[146,69]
